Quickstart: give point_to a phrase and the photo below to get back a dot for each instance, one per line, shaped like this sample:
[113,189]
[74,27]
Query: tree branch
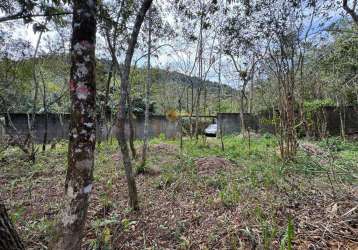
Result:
[351,11]
[21,16]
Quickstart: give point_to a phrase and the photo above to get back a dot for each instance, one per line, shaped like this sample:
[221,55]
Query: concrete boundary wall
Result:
[230,123]
[58,125]
[158,124]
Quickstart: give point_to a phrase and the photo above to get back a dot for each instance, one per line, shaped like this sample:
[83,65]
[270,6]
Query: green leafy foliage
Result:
[286,242]
[315,105]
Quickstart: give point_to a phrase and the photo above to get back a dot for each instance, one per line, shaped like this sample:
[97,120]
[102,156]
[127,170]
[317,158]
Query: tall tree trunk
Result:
[251,95]
[108,85]
[200,55]
[180,126]
[82,141]
[303,118]
[44,100]
[196,133]
[291,138]
[32,154]
[46,131]
[103,116]
[221,127]
[341,118]
[131,127]
[242,106]
[187,100]
[132,189]
[9,239]
[147,92]
[242,118]
[192,111]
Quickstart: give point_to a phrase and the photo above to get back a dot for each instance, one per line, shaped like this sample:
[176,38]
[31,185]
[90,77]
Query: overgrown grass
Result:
[258,182]
[258,165]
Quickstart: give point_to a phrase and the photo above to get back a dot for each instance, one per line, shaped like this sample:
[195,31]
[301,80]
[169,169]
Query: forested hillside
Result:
[53,71]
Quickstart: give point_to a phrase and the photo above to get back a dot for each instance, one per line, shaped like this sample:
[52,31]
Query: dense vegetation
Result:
[203,197]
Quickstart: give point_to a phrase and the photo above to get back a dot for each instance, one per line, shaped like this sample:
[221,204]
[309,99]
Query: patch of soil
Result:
[208,166]
[168,221]
[163,148]
[313,150]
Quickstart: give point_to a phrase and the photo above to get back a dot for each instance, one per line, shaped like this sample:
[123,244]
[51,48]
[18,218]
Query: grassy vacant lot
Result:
[201,198]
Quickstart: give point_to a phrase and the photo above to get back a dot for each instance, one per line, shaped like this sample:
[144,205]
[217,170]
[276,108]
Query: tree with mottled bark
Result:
[82,141]
[9,238]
